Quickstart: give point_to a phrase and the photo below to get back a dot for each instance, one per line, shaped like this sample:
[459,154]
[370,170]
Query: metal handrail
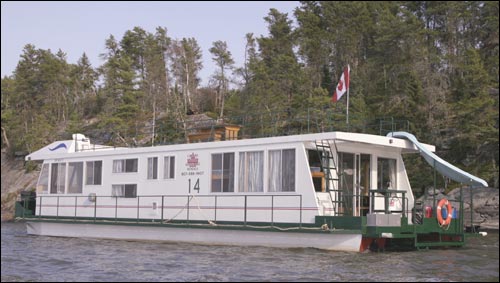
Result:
[163,197]
[388,194]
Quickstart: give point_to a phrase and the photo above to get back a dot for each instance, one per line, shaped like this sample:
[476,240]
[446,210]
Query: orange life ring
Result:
[440,219]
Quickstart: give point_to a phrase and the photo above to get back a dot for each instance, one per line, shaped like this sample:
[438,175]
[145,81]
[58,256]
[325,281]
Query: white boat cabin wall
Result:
[259,180]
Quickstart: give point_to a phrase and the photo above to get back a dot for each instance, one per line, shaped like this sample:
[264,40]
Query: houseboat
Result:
[334,190]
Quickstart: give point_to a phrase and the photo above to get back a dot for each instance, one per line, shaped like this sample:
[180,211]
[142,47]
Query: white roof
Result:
[66,149]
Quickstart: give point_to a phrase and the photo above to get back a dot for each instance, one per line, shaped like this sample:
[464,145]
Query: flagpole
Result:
[347,111]
[348,79]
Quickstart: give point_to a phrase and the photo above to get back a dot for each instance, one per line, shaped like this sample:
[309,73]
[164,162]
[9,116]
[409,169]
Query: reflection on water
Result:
[39,258]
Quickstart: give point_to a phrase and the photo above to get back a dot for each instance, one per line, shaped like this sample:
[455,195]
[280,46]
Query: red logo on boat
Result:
[192,160]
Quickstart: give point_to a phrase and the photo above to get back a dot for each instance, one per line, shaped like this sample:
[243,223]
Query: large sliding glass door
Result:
[363,184]
[354,170]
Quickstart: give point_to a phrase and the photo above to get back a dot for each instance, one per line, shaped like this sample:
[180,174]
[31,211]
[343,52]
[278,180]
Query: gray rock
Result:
[485,206]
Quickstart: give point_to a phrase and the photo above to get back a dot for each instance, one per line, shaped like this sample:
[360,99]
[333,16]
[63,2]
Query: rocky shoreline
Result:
[14,181]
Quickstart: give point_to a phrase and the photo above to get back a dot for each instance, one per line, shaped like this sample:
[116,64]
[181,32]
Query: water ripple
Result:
[39,258]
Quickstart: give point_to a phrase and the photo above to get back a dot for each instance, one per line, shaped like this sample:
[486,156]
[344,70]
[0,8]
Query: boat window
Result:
[169,167]
[153,168]
[346,170]
[58,178]
[75,177]
[125,165]
[251,172]
[124,191]
[314,158]
[282,170]
[94,172]
[42,187]
[386,172]
[223,172]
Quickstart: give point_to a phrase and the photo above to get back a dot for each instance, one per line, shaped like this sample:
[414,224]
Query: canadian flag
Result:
[342,86]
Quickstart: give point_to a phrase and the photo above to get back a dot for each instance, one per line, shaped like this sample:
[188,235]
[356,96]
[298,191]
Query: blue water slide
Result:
[441,165]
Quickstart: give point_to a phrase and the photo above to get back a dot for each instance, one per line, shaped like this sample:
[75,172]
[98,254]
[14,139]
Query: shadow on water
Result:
[38,258]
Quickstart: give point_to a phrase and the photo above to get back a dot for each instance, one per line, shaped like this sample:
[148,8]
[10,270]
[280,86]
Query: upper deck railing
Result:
[283,123]
[256,125]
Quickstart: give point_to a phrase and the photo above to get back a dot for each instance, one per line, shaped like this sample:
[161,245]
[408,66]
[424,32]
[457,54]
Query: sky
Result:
[78,27]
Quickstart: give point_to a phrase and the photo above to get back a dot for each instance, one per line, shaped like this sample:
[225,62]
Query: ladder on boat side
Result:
[327,164]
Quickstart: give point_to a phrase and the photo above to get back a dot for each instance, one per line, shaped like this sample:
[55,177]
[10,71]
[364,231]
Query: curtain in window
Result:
[243,173]
[61,178]
[118,190]
[288,170]
[251,172]
[275,170]
[58,178]
[118,166]
[150,168]
[282,170]
[75,175]
[153,168]
[168,167]
[94,172]
[90,173]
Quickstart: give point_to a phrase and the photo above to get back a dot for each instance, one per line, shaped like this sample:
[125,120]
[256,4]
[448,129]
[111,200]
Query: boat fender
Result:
[441,221]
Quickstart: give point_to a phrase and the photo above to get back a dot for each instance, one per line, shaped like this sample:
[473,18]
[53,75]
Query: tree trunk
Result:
[5,139]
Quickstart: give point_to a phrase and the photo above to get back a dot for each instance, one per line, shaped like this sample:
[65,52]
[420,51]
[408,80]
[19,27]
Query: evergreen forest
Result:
[429,67]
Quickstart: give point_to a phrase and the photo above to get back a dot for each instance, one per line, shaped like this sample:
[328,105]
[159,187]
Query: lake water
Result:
[40,258]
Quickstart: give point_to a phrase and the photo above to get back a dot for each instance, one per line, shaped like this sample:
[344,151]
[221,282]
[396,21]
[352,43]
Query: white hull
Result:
[327,241]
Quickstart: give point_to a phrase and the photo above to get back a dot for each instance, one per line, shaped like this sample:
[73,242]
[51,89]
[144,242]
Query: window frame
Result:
[154,175]
[391,174]
[58,178]
[243,181]
[171,169]
[123,189]
[282,181]
[125,165]
[93,162]
[231,173]
[70,179]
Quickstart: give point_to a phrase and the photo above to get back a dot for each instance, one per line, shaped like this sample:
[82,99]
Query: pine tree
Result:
[222,57]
